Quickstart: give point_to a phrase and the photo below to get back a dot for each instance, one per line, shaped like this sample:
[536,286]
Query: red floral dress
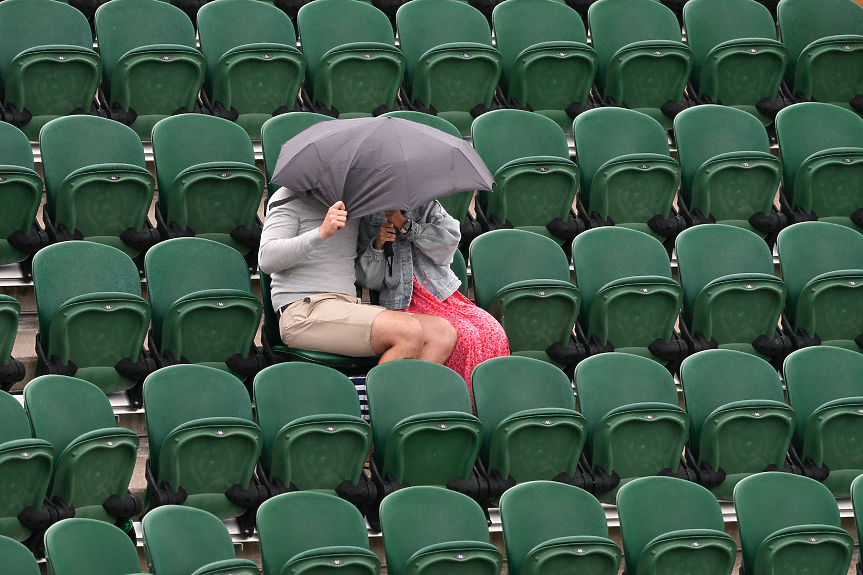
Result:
[480,336]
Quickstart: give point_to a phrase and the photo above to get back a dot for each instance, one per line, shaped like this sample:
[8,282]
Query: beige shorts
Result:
[329,322]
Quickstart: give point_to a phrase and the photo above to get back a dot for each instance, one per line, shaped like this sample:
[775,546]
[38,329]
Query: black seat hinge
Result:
[11,373]
[136,371]
[670,226]
[251,238]
[29,243]
[769,224]
[128,506]
[50,513]
[567,230]
[142,240]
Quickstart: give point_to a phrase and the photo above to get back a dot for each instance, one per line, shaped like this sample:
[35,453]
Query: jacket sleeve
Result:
[437,235]
[371,266]
[281,247]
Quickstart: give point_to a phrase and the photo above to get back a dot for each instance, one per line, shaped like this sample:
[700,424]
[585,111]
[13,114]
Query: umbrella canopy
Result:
[378,164]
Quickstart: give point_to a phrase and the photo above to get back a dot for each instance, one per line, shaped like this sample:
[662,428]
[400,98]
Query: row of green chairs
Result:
[93,320]
[63,450]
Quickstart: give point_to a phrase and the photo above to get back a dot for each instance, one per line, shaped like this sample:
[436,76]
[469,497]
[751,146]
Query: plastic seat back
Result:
[640,302]
[527,410]
[150,60]
[738,420]
[25,468]
[46,43]
[91,312]
[80,546]
[95,458]
[790,524]
[535,181]
[96,178]
[661,519]
[201,417]
[10,311]
[409,403]
[827,305]
[732,40]
[428,524]
[616,394]
[20,192]
[207,176]
[546,61]
[613,146]
[522,279]
[352,63]
[276,131]
[17,559]
[253,64]
[822,151]
[313,527]
[627,35]
[189,271]
[826,394]
[731,173]
[180,540]
[543,521]
[329,442]
[818,35]
[744,299]
[434,36]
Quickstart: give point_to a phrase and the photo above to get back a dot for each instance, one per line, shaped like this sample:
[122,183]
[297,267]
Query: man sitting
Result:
[309,251]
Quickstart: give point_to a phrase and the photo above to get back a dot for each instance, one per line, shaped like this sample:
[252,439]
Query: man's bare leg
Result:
[439,338]
[397,335]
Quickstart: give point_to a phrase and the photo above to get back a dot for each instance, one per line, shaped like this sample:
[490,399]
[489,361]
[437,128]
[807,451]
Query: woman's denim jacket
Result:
[425,251]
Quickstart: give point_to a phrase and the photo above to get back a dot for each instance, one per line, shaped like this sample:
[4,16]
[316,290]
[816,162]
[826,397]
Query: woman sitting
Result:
[417,279]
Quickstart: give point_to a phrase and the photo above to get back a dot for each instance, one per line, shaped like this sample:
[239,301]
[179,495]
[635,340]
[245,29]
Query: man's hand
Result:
[387,233]
[334,221]
[396,218]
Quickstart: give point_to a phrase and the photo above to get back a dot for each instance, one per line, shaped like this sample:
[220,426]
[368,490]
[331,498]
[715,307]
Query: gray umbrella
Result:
[378,164]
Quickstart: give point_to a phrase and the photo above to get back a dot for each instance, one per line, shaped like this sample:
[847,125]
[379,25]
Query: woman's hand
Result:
[396,218]
[387,233]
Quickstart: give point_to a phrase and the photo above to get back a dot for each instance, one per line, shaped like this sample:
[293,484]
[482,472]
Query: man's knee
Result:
[393,329]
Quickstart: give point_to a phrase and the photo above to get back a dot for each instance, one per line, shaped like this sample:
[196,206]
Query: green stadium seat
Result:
[276,351]
[856,498]
[309,532]
[826,393]
[97,184]
[642,62]
[738,419]
[208,182]
[555,529]
[790,524]
[314,435]
[730,293]
[823,146]
[25,470]
[459,268]
[89,547]
[737,59]
[728,172]
[635,425]
[182,540]
[199,418]
[531,428]
[17,559]
[97,458]
[151,64]
[352,63]
[822,266]
[825,48]
[20,196]
[629,299]
[47,62]
[522,279]
[276,131]
[204,310]
[431,530]
[423,431]
[92,318]
[673,526]
[535,181]
[625,154]
[547,63]
[11,370]
[253,65]
[451,64]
